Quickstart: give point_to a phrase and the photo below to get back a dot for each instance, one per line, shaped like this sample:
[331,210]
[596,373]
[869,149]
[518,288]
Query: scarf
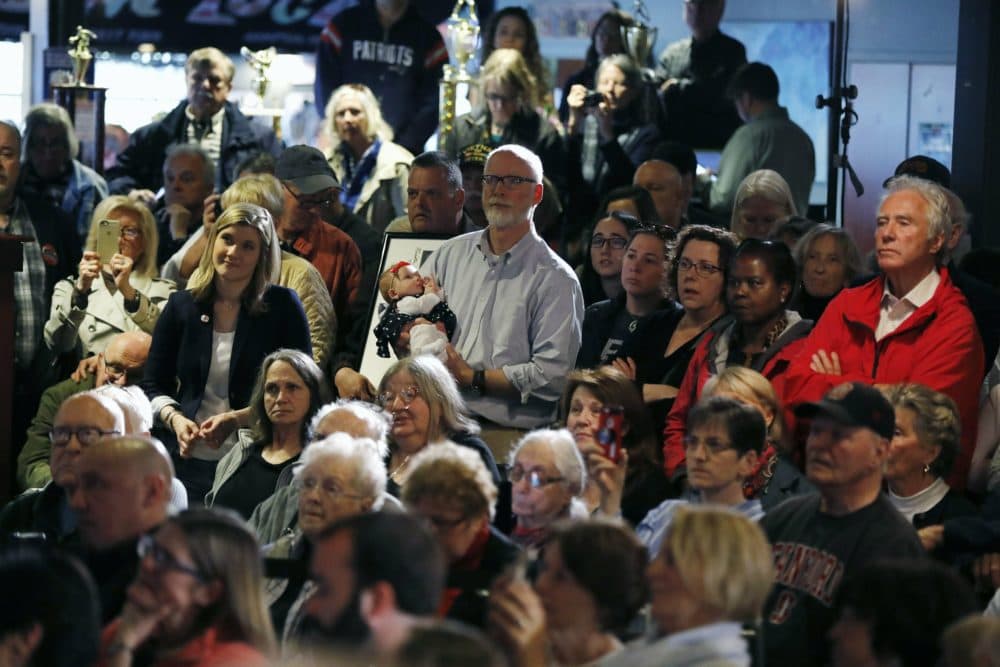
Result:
[357,172]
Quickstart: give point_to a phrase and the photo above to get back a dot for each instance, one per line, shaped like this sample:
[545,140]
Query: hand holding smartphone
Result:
[108,233]
[610,429]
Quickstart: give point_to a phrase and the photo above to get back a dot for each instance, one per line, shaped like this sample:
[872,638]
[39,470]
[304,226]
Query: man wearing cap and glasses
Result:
[310,186]
[819,539]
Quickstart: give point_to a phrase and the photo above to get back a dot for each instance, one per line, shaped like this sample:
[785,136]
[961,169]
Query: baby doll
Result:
[411,297]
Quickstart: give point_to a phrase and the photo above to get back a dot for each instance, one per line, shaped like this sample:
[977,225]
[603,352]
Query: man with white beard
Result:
[519,305]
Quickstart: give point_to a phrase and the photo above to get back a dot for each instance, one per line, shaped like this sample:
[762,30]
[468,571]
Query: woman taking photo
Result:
[608,326]
[636,484]
[762,333]
[829,260]
[106,300]
[589,588]
[605,40]
[290,388]
[197,598]
[427,408]
[547,476]
[763,200]
[372,170]
[451,488]
[611,136]
[658,356]
[211,340]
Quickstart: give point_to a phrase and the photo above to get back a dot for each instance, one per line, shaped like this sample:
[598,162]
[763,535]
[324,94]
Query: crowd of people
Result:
[635,415]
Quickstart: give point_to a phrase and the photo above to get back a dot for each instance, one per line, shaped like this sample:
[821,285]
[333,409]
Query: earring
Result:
[927,468]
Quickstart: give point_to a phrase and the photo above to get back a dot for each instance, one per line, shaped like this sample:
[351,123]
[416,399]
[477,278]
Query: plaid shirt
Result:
[29,291]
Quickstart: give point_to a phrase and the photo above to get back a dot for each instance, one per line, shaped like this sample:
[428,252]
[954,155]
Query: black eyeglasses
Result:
[163,559]
[616,242]
[509,181]
[713,446]
[536,480]
[703,269]
[87,435]
[308,203]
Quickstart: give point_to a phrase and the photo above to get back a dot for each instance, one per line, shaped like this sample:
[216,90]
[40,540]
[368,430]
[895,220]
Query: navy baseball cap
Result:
[306,168]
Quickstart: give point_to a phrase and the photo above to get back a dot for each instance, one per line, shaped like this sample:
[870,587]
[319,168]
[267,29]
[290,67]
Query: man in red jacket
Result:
[911,324]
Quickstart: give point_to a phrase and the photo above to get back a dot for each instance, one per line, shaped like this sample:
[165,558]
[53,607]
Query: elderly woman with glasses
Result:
[547,476]
[290,388]
[609,325]
[213,337]
[119,294]
[427,409]
[450,487]
[196,599]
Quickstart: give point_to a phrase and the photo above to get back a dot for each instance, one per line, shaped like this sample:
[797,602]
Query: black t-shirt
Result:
[251,484]
[813,552]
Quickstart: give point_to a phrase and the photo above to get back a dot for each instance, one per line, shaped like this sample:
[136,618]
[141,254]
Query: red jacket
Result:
[337,259]
[709,360]
[937,346]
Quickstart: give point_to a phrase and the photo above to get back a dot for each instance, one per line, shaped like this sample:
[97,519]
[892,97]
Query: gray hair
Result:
[47,114]
[525,155]
[939,212]
[452,473]
[134,404]
[767,184]
[565,455]
[376,420]
[368,477]
[627,65]
[107,402]
[437,386]
[208,169]
[845,244]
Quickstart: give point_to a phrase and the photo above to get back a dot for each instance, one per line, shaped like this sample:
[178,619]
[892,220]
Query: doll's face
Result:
[407,283]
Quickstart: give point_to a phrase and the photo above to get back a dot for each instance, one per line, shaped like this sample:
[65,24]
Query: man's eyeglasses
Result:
[713,446]
[536,480]
[163,559]
[312,203]
[407,395]
[616,242]
[703,269]
[116,372]
[87,435]
[509,181]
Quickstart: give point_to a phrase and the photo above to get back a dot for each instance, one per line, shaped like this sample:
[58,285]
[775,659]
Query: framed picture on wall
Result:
[396,247]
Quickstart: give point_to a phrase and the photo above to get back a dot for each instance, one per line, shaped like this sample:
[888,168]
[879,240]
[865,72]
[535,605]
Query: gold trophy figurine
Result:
[462,38]
[80,53]
[260,61]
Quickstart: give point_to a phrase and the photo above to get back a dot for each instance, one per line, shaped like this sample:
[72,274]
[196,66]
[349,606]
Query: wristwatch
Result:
[479,383]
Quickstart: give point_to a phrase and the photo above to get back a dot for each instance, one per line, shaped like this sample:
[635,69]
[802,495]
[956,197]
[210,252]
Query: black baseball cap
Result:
[854,404]
[923,167]
[306,168]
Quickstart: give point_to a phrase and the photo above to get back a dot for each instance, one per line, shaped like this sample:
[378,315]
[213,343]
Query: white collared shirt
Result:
[894,311]
[212,141]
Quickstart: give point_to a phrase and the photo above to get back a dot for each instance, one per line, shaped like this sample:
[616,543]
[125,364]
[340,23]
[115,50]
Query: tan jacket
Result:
[383,196]
[299,275]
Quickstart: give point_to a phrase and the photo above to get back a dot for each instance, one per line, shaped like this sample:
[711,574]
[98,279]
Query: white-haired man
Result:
[519,305]
[909,324]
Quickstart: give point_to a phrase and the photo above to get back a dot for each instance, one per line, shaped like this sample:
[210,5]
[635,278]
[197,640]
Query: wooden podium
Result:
[11,261]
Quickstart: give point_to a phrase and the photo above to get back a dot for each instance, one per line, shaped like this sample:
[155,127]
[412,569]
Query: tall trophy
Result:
[253,105]
[84,103]
[462,37]
[640,38]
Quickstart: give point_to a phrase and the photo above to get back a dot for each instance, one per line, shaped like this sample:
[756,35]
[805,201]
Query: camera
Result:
[592,99]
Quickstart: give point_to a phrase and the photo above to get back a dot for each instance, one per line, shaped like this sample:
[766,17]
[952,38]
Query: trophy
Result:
[253,105]
[462,37]
[640,38]
[80,53]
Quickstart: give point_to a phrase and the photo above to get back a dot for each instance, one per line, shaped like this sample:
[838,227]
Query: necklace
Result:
[399,467]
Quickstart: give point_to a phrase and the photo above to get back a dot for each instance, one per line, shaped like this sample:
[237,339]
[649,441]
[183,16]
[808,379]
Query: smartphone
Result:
[610,431]
[108,232]
[592,99]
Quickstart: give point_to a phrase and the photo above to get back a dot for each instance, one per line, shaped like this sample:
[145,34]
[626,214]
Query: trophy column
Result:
[85,105]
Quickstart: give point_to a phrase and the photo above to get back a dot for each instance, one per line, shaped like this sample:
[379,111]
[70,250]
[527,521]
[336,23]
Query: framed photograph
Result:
[396,247]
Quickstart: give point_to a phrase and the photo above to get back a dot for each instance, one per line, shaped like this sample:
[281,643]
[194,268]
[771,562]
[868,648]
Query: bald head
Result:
[125,357]
[664,184]
[121,490]
[81,420]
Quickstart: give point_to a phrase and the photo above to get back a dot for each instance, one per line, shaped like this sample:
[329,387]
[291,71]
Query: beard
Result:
[503,217]
[348,630]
